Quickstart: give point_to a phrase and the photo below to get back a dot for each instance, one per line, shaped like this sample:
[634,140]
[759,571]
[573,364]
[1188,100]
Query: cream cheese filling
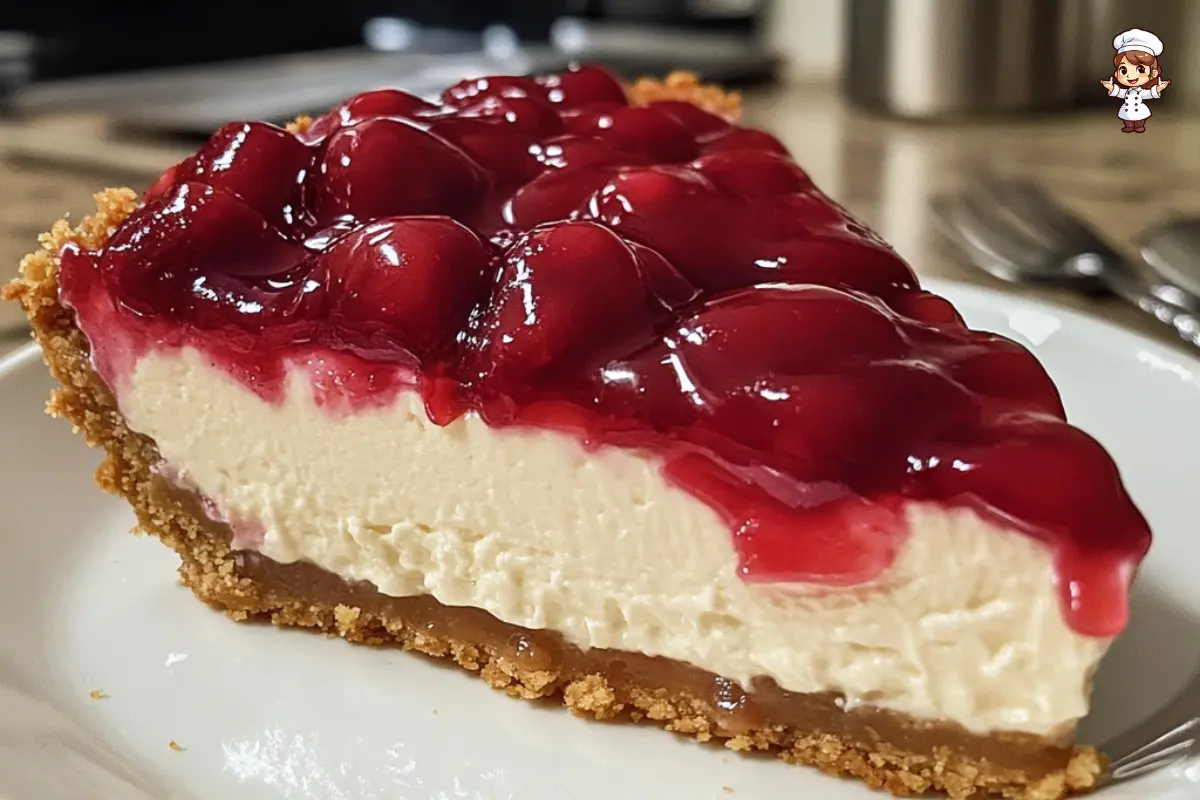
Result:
[966,625]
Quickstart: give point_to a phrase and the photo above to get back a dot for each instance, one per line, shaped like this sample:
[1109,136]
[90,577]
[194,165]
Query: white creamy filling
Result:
[526,524]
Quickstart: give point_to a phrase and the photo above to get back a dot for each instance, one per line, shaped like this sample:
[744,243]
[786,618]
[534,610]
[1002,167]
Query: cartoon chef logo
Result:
[1136,77]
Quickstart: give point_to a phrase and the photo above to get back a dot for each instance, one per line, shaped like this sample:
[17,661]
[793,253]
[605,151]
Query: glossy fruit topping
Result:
[542,252]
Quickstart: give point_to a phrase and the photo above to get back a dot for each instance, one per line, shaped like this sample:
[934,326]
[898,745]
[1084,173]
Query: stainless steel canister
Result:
[1176,22]
[930,59]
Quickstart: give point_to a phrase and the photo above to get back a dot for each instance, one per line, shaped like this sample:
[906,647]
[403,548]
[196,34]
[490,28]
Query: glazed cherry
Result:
[384,103]
[468,92]
[527,115]
[575,150]
[193,231]
[169,179]
[369,105]
[1006,373]
[569,294]
[736,338]
[704,125]
[502,150]
[408,282]
[744,139]
[928,308]
[555,195]
[293,300]
[657,136]
[583,86]
[782,238]
[544,254]
[386,167]
[753,172]
[661,278]
[263,165]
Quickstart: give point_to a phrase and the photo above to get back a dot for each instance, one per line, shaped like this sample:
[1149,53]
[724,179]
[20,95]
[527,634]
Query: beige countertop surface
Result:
[884,171]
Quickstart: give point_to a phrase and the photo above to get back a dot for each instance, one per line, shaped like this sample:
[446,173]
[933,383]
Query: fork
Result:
[1012,229]
[1176,746]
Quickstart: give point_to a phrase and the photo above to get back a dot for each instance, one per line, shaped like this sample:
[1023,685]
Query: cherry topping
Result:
[928,308]
[383,103]
[560,152]
[502,150]
[648,131]
[754,172]
[169,179]
[264,165]
[292,300]
[582,86]
[788,238]
[703,124]
[467,92]
[543,253]
[569,294]
[744,139]
[525,114]
[557,195]
[736,338]
[408,282]
[386,167]
[161,262]
[369,105]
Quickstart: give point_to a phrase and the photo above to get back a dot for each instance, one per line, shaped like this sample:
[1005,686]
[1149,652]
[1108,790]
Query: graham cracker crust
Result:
[885,750]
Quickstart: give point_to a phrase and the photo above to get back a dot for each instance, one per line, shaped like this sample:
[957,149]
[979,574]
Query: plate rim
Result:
[16,359]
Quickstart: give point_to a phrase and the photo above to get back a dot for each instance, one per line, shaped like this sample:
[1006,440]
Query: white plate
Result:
[267,713]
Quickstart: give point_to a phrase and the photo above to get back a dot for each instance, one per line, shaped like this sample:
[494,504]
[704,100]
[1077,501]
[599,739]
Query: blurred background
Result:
[885,102]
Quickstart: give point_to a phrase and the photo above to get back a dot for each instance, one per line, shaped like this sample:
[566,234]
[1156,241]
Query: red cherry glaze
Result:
[169,179]
[467,92]
[704,125]
[387,167]
[574,150]
[555,195]
[264,165]
[753,173]
[745,139]
[527,115]
[384,103]
[647,130]
[503,151]
[407,283]
[369,105]
[583,86]
[570,296]
[543,254]
[781,238]
[169,263]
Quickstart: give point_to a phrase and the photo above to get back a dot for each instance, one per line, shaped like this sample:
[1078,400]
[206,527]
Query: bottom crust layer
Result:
[885,750]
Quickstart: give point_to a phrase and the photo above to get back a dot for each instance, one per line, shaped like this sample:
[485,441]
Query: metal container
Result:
[1176,22]
[16,64]
[929,59]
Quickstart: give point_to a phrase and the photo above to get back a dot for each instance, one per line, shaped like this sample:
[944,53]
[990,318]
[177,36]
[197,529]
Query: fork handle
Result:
[1132,289]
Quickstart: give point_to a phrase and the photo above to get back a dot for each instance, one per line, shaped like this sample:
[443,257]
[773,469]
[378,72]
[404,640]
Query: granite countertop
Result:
[883,171]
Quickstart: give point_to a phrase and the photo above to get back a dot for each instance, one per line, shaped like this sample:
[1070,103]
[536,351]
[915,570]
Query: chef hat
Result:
[1138,39]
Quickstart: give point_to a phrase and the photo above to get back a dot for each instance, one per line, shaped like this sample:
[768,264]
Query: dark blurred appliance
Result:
[16,64]
[188,68]
[87,38]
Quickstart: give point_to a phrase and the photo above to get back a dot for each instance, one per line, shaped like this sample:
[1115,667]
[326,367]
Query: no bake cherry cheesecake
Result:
[592,391]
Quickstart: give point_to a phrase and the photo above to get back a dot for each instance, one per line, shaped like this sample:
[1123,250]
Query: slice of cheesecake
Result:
[593,392]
